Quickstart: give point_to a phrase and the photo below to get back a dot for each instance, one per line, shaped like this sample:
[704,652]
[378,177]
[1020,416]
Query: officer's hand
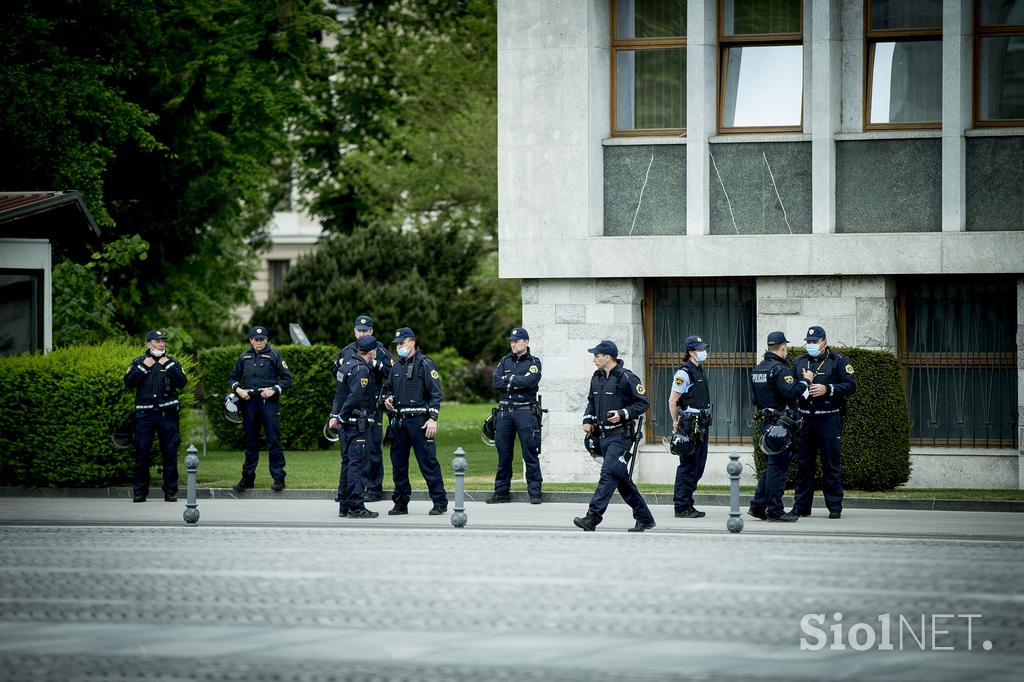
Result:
[148,361]
[818,390]
[675,424]
[162,360]
[390,404]
[242,393]
[335,423]
[613,417]
[268,392]
[808,375]
[429,429]
[589,428]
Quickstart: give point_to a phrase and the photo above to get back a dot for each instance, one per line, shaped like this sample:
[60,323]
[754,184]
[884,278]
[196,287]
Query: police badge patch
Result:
[434,374]
[533,369]
[789,379]
[849,369]
[363,382]
[640,389]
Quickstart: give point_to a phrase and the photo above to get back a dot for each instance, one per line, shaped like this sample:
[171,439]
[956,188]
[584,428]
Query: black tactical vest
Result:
[763,383]
[698,396]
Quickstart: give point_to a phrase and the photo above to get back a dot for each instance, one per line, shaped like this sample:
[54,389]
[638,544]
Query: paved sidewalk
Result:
[96,589]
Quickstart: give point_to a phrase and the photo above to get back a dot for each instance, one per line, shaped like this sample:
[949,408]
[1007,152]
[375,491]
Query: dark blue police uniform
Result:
[618,391]
[775,390]
[380,370]
[156,413]
[415,389]
[253,372]
[517,377]
[355,402]
[823,424]
[694,395]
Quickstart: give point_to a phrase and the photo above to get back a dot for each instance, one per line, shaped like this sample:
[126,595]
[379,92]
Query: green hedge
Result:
[304,406]
[60,409]
[875,449]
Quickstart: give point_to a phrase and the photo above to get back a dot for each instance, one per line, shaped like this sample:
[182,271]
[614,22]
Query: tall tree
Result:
[174,118]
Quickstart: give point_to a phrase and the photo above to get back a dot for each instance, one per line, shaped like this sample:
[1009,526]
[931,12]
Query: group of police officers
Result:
[798,410]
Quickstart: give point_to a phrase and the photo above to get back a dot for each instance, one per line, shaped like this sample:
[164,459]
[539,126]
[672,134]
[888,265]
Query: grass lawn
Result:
[459,426]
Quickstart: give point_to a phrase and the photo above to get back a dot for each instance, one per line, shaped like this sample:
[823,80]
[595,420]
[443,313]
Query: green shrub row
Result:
[61,408]
[875,447]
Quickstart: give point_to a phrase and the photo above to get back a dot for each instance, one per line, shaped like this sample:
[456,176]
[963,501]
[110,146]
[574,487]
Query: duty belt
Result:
[814,414]
[512,407]
[411,410]
[160,406]
[353,420]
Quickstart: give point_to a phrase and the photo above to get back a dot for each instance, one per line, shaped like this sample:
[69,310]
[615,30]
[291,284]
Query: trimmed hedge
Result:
[875,449]
[304,406]
[61,407]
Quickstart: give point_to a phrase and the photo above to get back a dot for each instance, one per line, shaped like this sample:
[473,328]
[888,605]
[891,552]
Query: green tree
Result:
[174,119]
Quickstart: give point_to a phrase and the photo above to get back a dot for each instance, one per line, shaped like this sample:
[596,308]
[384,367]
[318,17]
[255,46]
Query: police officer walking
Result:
[689,405]
[517,377]
[380,368]
[415,398]
[823,410]
[156,378]
[775,390]
[616,399]
[353,410]
[259,376]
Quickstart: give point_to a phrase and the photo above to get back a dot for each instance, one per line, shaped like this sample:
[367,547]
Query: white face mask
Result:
[812,349]
[403,352]
[156,353]
[702,355]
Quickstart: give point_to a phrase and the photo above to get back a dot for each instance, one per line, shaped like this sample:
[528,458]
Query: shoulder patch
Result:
[640,389]
[284,364]
[434,374]
[533,369]
[363,382]
[849,369]
[679,381]
[789,378]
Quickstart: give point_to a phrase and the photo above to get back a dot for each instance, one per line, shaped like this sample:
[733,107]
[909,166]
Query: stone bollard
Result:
[459,464]
[191,514]
[734,468]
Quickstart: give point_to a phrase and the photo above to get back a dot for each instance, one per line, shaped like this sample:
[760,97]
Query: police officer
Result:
[353,410]
[616,399]
[689,402]
[823,409]
[517,377]
[380,368]
[775,390]
[156,378]
[415,399]
[258,378]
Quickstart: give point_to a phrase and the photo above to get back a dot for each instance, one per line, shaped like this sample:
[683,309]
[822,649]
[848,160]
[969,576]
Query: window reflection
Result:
[906,82]
[637,19]
[650,89]
[746,17]
[903,14]
[763,86]
[1001,82]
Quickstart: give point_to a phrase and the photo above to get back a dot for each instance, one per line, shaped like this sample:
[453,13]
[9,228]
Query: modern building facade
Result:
[731,167]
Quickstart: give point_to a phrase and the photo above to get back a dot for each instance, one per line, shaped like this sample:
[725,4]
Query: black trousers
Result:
[408,435]
[820,436]
[354,460]
[772,484]
[163,424]
[688,473]
[256,412]
[615,476]
[509,424]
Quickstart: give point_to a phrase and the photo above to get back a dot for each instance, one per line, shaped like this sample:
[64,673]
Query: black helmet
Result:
[593,446]
[231,412]
[682,444]
[774,439]
[329,433]
[487,431]
[122,433]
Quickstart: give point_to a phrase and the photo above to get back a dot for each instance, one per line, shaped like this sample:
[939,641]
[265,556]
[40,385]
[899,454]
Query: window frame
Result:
[886,35]
[755,40]
[637,44]
[980,32]
[285,264]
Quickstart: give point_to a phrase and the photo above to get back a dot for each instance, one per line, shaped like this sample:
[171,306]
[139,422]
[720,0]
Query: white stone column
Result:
[824,94]
[852,64]
[956,111]
[701,106]
[565,317]
[1020,384]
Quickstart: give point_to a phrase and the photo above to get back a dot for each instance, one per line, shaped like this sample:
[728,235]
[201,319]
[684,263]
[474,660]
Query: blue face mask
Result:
[403,352]
[812,350]
[702,355]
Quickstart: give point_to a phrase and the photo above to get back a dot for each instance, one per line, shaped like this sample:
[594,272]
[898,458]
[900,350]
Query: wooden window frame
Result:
[725,42]
[637,45]
[883,35]
[980,32]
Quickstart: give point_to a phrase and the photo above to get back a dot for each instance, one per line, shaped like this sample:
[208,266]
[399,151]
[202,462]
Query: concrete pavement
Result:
[284,589]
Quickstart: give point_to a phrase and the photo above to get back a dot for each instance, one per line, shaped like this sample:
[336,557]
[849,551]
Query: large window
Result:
[762,73]
[903,40]
[648,67]
[999,63]
[278,270]
[721,311]
[957,343]
[21,311]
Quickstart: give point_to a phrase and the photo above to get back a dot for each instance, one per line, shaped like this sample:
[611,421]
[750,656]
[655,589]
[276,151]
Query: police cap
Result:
[695,343]
[258,333]
[815,334]
[403,333]
[518,333]
[155,335]
[364,323]
[606,347]
[364,344]
[775,338]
